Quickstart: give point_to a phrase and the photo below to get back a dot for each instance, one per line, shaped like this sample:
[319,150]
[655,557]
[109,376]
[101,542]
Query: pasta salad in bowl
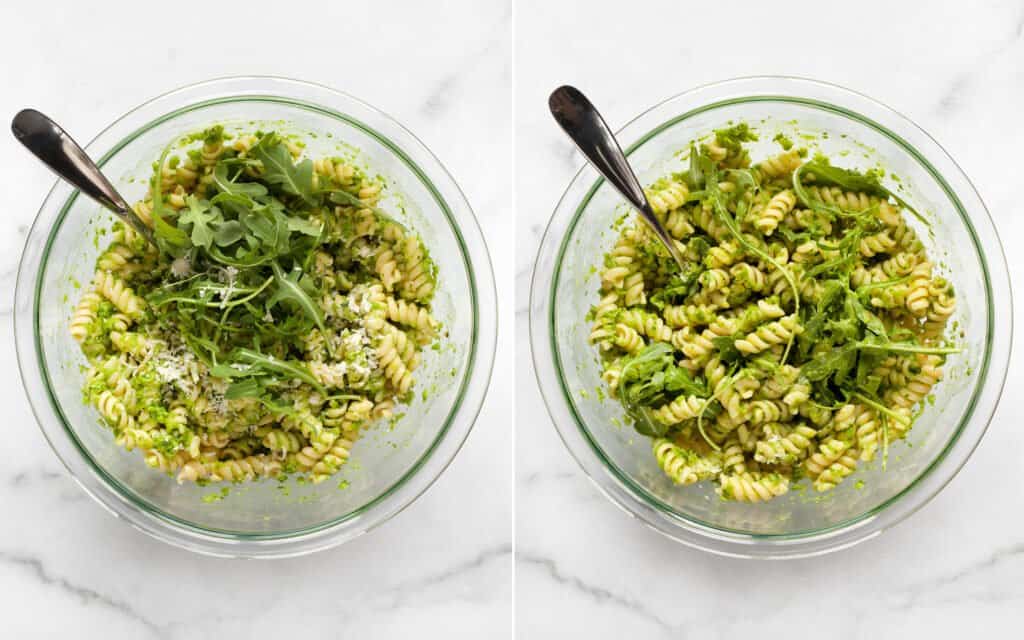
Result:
[826,357]
[301,351]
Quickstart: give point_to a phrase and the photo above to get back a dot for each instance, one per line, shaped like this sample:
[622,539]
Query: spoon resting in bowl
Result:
[584,125]
[51,144]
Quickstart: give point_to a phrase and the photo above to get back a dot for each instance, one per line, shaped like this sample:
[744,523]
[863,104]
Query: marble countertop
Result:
[585,569]
[67,568]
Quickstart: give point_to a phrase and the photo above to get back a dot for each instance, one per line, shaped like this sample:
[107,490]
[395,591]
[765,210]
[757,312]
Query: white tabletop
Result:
[952,570]
[67,568]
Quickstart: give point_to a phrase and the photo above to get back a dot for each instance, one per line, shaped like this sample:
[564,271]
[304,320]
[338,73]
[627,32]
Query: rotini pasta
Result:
[803,331]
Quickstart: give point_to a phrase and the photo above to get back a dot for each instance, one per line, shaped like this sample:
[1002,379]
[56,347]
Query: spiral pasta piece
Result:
[672,196]
[119,294]
[786,449]
[628,339]
[780,166]
[769,335]
[920,384]
[689,315]
[409,314]
[395,369]
[877,243]
[773,213]
[918,289]
[84,316]
[837,471]
[680,409]
[682,465]
[827,454]
[753,486]
[646,324]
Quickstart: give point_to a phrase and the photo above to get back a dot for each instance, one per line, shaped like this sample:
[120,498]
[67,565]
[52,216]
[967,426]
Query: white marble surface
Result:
[442,568]
[954,569]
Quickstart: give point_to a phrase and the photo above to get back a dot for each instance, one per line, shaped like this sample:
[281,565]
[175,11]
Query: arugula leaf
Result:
[263,225]
[306,227]
[228,233]
[342,197]
[828,175]
[679,287]
[645,424]
[699,245]
[654,357]
[844,365]
[231,188]
[843,330]
[814,329]
[678,379]
[904,347]
[647,379]
[171,239]
[288,288]
[261,363]
[831,295]
[280,170]
[233,203]
[828,364]
[727,350]
[248,388]
[866,317]
[200,215]
[694,175]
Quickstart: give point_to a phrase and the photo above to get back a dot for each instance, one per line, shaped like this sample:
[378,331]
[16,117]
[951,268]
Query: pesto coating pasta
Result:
[280,315]
[802,336]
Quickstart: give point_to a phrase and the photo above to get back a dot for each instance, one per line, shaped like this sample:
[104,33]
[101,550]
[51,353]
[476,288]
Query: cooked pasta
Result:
[804,331]
[281,316]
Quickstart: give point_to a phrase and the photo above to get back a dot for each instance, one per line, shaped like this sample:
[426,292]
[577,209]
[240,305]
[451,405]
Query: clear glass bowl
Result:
[389,467]
[861,132]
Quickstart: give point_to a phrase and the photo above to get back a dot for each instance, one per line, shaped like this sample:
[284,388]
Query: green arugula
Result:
[727,350]
[247,363]
[344,198]
[200,216]
[169,238]
[293,288]
[649,378]
[825,174]
[679,287]
[249,240]
[233,188]
[279,169]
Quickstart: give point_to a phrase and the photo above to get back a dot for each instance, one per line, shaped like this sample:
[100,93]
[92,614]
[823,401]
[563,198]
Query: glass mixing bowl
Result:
[860,133]
[389,467]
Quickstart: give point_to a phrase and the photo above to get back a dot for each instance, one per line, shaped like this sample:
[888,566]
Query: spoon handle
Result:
[584,124]
[51,144]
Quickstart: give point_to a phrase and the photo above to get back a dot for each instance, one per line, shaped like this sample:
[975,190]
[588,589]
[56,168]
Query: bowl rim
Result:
[548,368]
[461,415]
